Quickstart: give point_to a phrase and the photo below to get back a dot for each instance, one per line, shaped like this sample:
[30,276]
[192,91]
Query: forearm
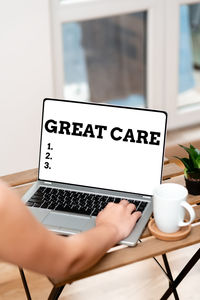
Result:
[25,242]
[88,247]
[35,248]
[61,257]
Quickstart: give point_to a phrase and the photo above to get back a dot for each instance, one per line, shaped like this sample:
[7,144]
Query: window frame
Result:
[185,115]
[80,10]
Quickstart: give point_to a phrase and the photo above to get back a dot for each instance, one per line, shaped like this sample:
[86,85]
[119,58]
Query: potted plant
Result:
[192,169]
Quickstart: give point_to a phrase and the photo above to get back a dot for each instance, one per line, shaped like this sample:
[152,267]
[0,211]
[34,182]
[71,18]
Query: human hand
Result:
[121,216]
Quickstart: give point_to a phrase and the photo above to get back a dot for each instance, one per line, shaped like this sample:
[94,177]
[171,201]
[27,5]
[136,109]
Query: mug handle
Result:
[191,212]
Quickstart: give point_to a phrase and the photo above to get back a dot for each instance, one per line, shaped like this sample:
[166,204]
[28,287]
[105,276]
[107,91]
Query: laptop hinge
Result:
[49,183]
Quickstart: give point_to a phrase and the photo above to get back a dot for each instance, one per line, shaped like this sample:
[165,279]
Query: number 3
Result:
[46,165]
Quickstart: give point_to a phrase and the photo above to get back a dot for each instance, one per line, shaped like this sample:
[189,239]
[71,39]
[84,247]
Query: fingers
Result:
[110,204]
[124,202]
[130,206]
[135,216]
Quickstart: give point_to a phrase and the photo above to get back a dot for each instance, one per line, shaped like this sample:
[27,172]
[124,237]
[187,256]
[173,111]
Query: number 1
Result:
[49,146]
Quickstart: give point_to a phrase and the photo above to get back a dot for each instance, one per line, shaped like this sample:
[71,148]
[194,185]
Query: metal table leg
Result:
[171,281]
[55,292]
[28,295]
[168,274]
[182,275]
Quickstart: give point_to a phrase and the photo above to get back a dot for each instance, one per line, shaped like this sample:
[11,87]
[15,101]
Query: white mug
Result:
[169,202]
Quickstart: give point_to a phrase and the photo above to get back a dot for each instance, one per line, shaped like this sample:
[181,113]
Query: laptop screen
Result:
[102,146]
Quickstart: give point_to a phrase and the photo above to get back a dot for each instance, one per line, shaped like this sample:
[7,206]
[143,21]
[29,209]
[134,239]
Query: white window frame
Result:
[162,48]
[177,116]
[80,10]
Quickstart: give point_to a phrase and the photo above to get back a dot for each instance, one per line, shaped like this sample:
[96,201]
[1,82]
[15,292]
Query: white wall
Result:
[25,79]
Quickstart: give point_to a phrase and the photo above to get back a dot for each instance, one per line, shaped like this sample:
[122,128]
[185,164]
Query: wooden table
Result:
[121,255]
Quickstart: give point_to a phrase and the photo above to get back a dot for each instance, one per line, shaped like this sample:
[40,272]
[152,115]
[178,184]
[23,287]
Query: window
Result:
[189,59]
[181,77]
[135,53]
[105,60]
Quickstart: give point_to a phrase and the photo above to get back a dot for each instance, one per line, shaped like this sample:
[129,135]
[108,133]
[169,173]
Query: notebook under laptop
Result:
[91,154]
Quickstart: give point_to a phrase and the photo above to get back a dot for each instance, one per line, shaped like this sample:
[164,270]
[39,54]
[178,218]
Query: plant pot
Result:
[193,186]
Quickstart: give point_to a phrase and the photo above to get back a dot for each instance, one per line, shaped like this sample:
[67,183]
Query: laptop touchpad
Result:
[66,221]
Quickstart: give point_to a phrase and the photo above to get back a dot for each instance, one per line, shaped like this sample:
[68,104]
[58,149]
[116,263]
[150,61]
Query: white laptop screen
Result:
[102,146]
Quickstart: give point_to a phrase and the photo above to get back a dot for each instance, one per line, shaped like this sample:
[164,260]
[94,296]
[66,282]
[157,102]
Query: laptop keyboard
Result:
[75,202]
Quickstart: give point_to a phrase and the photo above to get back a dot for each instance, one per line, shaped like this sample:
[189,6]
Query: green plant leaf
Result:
[198,161]
[192,154]
[186,162]
[185,173]
[185,148]
[195,149]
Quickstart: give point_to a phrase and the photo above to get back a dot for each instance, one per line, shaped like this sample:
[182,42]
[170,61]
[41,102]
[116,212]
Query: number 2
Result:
[47,155]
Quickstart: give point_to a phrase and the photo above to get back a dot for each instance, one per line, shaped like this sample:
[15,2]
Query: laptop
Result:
[92,154]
